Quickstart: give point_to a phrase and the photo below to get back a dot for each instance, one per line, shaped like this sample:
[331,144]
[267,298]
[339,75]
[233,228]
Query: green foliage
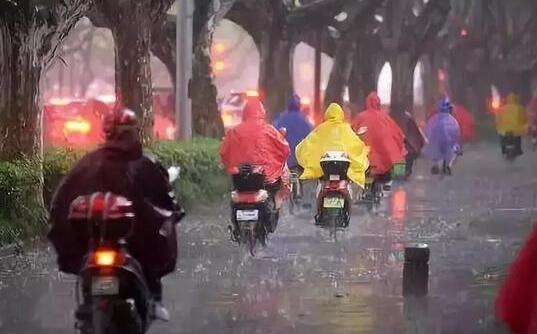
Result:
[21,211]
[21,207]
[56,164]
[202,179]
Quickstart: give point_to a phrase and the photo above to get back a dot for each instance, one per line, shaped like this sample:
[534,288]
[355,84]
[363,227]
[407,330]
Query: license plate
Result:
[334,203]
[247,215]
[334,178]
[104,286]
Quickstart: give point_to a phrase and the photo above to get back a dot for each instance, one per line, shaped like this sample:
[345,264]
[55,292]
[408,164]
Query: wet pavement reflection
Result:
[306,281]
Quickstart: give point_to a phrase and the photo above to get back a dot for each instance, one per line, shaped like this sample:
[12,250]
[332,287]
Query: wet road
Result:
[306,282]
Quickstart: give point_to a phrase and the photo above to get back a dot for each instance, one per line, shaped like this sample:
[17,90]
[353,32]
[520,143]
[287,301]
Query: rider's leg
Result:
[435,169]
[502,143]
[518,141]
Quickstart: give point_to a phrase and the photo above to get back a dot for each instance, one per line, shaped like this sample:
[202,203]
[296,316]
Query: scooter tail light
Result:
[107,258]
[250,197]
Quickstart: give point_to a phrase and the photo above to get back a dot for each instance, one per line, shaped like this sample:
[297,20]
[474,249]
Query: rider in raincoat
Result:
[512,119]
[384,138]
[297,126]
[465,119]
[258,143]
[334,134]
[444,135]
[414,140]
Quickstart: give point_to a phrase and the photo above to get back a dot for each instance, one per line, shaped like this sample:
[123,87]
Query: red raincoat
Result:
[256,142]
[516,305]
[384,137]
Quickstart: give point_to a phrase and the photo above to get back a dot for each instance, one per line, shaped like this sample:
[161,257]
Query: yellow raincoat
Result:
[334,134]
[512,118]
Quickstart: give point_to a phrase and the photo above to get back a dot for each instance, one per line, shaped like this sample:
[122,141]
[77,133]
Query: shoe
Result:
[161,313]
[448,171]
[435,170]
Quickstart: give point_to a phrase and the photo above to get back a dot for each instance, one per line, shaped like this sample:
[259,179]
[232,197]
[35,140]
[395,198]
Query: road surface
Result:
[307,282]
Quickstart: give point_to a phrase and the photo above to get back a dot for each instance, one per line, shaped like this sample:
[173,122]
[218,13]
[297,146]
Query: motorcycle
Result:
[511,149]
[253,208]
[112,293]
[533,135]
[115,296]
[372,193]
[334,194]
[296,190]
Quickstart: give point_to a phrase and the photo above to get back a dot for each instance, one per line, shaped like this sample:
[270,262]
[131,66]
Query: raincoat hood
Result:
[253,110]
[334,113]
[293,105]
[334,134]
[372,101]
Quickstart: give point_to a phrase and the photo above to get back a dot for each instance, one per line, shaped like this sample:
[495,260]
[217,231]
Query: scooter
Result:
[296,191]
[112,294]
[253,208]
[372,193]
[115,297]
[334,194]
[533,136]
[511,149]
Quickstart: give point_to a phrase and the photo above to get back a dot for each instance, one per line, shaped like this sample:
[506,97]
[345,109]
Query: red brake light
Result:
[77,126]
[107,258]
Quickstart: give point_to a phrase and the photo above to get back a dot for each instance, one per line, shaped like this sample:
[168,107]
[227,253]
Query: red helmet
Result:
[118,121]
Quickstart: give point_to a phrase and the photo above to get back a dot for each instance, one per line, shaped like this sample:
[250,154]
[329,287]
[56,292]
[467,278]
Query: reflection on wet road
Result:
[307,282]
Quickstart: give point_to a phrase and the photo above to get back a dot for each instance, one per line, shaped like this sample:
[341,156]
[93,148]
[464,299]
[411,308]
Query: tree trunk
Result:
[206,117]
[20,114]
[515,82]
[364,77]
[460,79]
[341,72]
[276,73]
[402,95]
[431,87]
[477,87]
[133,71]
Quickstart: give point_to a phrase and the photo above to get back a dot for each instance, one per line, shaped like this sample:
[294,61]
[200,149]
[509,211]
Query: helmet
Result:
[119,121]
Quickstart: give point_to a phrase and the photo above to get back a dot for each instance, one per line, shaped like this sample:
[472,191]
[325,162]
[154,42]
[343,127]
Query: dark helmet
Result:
[119,121]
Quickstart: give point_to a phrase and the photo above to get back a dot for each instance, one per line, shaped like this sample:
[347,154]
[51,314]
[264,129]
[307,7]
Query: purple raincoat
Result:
[444,136]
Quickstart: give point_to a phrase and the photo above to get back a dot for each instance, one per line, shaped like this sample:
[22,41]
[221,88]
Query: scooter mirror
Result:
[173,173]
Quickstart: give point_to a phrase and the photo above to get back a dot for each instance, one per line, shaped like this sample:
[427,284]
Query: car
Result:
[73,123]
